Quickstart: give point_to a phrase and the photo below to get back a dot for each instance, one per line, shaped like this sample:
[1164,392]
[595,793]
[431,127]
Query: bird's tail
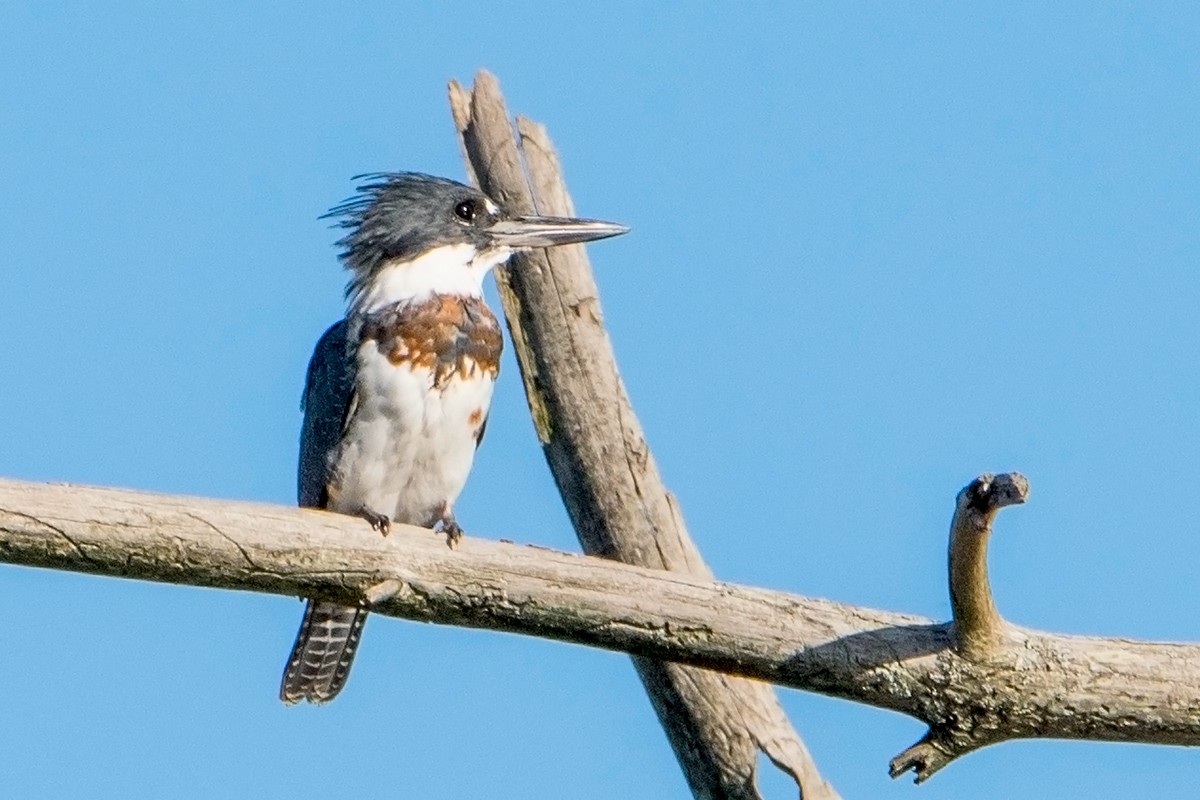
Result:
[324,650]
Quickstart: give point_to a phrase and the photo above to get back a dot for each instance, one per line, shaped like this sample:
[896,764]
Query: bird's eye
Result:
[467,210]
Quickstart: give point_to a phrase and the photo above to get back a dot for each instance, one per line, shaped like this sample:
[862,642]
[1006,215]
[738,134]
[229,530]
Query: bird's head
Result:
[412,235]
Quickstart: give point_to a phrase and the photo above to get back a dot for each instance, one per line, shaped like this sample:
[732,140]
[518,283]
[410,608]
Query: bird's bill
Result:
[551,231]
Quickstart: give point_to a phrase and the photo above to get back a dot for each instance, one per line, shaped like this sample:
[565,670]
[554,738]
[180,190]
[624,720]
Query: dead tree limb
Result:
[979,631]
[1034,685]
[975,681]
[594,444]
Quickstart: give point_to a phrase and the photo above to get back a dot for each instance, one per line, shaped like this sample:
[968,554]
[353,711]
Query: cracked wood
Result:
[594,444]
[1044,685]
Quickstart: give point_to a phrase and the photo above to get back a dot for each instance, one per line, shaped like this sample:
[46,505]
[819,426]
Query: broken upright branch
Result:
[598,455]
[978,628]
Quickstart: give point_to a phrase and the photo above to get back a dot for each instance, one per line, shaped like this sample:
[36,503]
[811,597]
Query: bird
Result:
[397,393]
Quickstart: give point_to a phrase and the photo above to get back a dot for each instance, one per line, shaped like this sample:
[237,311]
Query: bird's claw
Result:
[450,527]
[454,533]
[377,521]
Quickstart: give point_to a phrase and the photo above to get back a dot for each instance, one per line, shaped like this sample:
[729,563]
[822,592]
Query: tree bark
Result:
[1034,685]
[599,457]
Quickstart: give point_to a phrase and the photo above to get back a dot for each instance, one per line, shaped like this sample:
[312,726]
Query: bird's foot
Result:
[379,522]
[453,531]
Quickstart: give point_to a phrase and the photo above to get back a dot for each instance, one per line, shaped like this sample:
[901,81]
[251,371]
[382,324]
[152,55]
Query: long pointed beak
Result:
[550,231]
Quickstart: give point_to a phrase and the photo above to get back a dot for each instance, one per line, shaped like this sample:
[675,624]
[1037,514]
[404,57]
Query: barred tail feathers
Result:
[324,651]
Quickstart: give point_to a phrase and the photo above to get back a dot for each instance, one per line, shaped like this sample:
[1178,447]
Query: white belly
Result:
[409,447]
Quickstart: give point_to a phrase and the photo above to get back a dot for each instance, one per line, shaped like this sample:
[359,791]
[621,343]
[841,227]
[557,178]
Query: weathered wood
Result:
[598,455]
[1041,686]
[979,630]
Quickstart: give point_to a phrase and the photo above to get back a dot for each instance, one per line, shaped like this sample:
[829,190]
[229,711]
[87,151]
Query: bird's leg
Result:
[379,522]
[449,526]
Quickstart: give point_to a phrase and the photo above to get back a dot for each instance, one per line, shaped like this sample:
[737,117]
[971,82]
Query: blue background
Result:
[877,249]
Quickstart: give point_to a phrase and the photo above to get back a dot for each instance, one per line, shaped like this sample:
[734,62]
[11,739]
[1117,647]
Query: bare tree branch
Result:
[598,454]
[978,629]
[979,634]
[975,681]
[1037,685]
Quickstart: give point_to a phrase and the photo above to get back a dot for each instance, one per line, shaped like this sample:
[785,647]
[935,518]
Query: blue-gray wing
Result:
[328,398]
[329,635]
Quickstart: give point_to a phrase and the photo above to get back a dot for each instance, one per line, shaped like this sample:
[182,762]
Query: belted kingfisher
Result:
[397,394]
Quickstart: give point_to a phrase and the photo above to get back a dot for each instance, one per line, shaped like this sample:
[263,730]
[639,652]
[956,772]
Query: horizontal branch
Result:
[1047,686]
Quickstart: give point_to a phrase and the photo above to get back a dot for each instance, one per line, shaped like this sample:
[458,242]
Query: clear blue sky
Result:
[876,250]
